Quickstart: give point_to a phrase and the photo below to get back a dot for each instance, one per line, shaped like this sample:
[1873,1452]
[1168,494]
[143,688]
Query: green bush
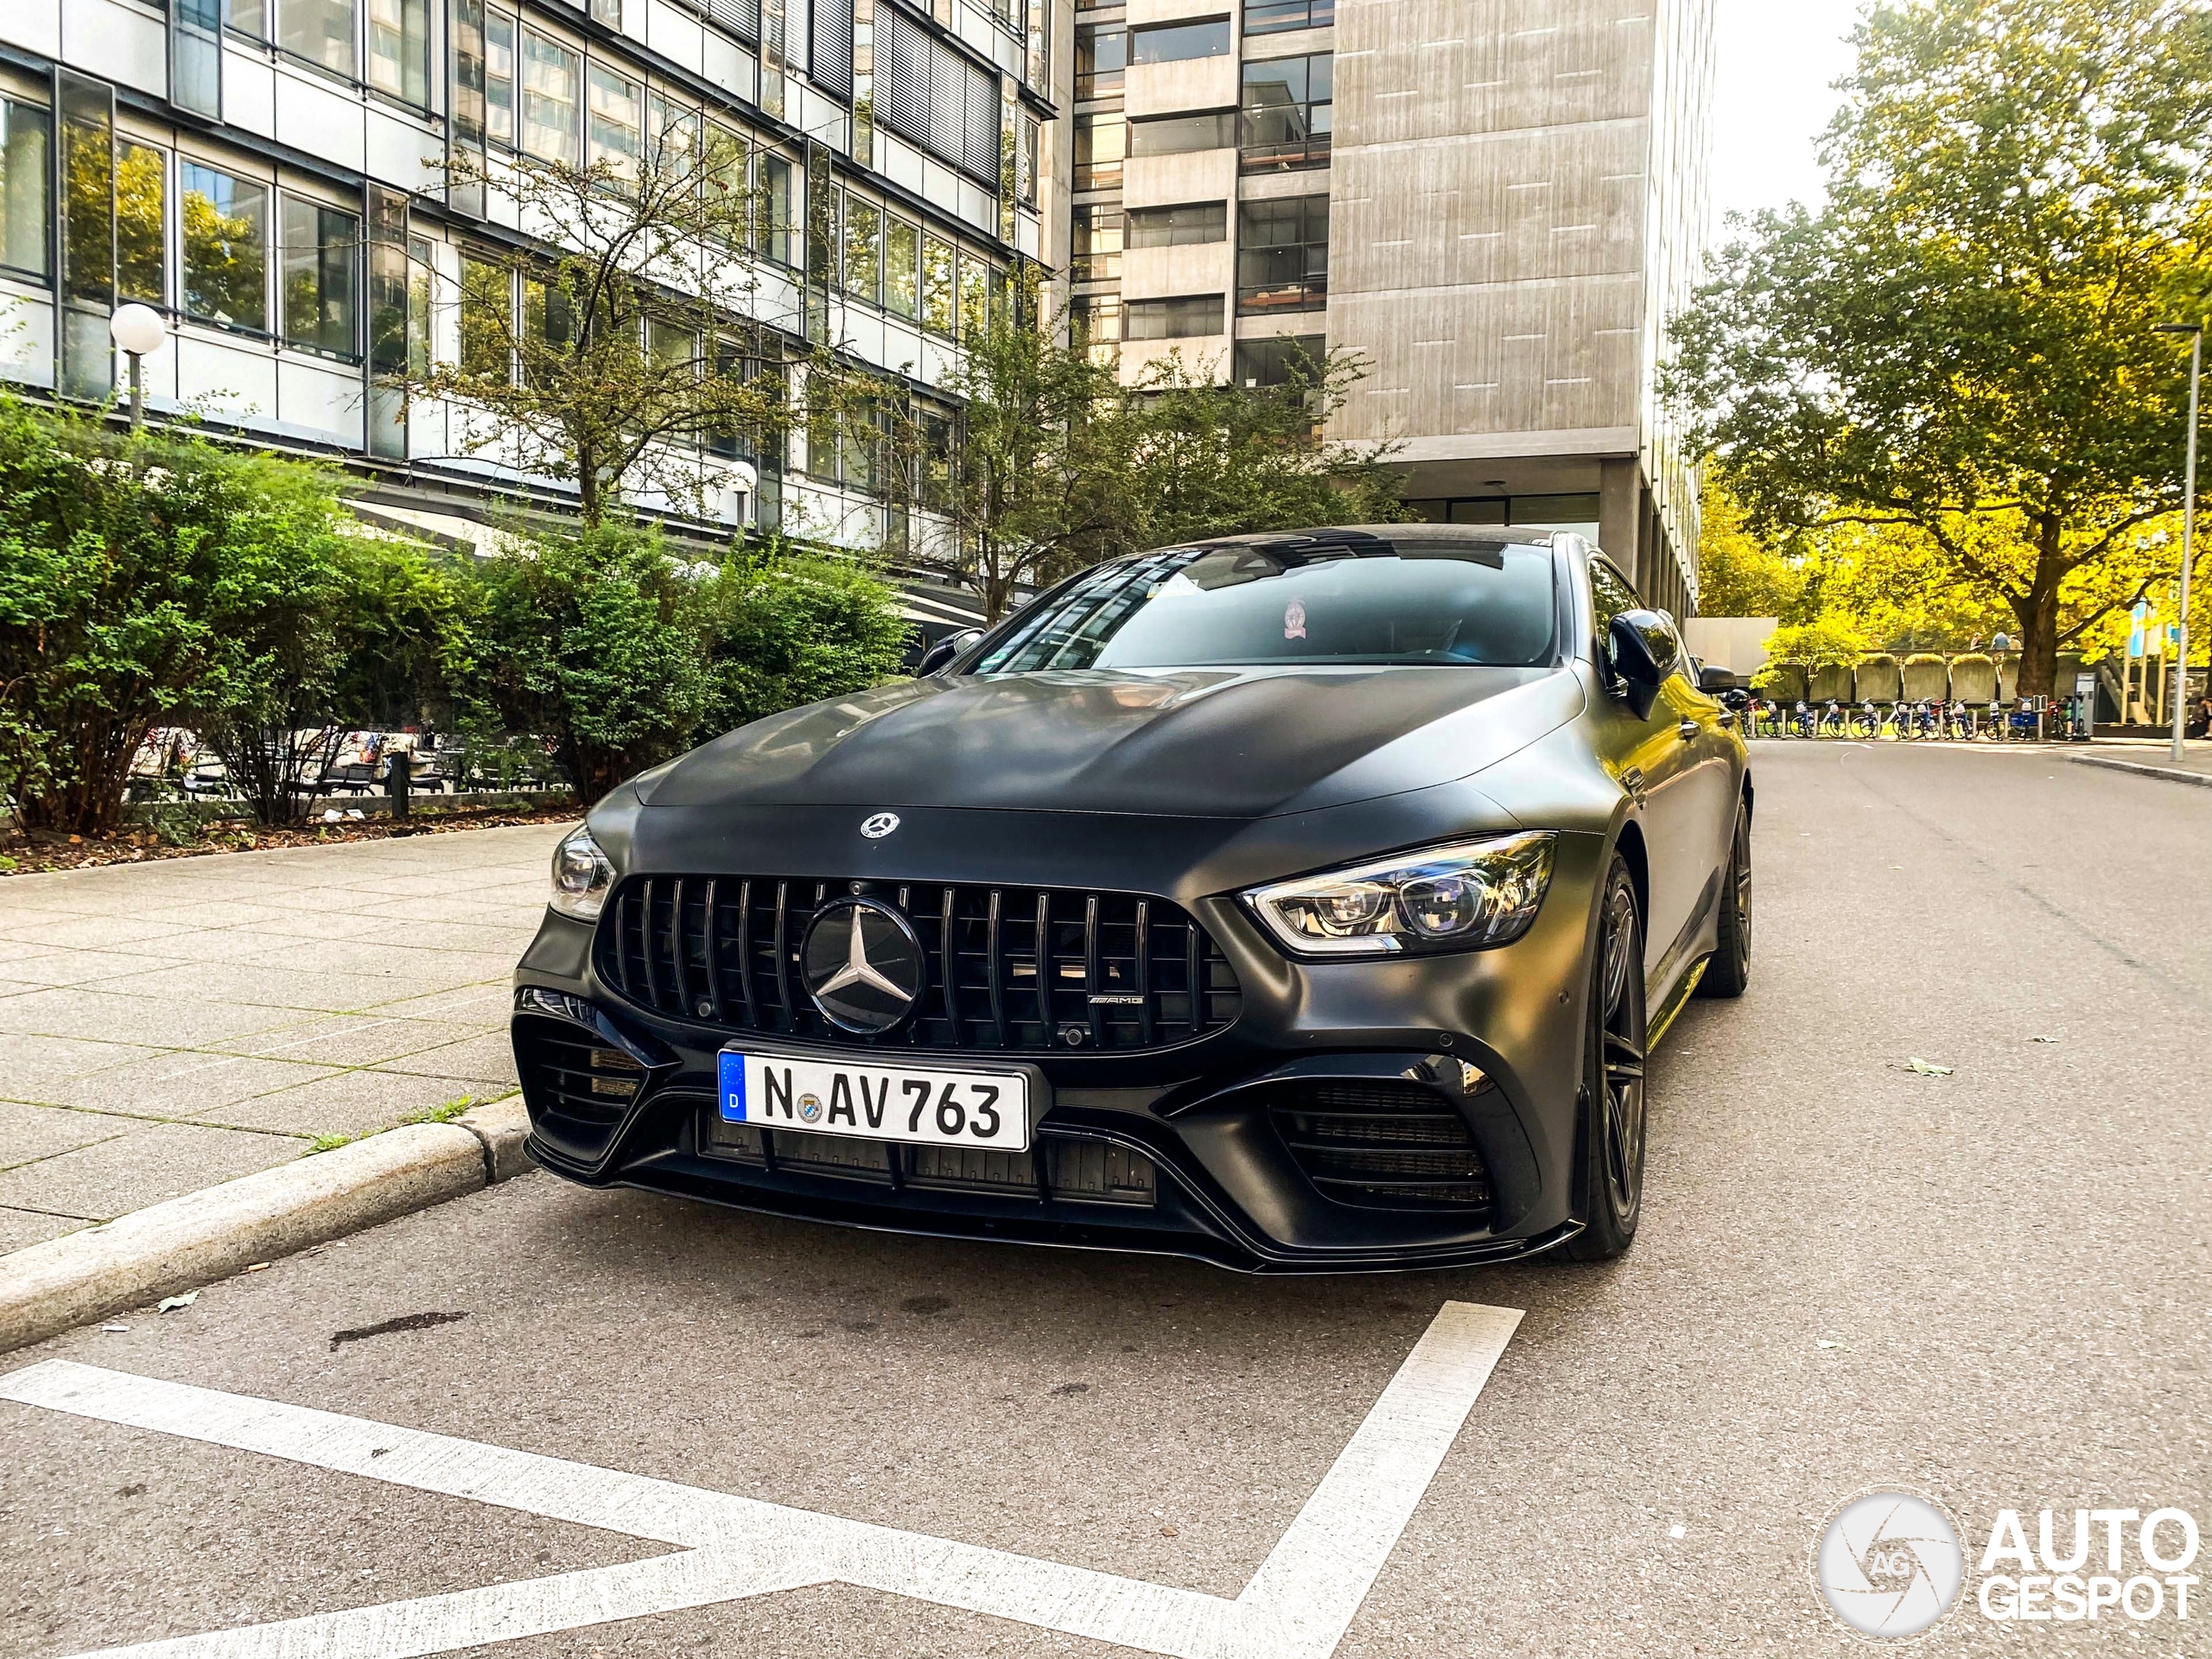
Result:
[786,629]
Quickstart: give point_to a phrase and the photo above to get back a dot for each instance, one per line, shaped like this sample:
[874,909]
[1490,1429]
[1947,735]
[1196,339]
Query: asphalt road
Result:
[1990,1285]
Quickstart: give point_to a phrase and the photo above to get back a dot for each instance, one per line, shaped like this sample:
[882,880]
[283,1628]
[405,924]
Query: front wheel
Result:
[1610,1129]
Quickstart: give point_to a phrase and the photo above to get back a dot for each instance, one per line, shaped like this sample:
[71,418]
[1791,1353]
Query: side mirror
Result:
[946,649]
[1628,651]
[1712,679]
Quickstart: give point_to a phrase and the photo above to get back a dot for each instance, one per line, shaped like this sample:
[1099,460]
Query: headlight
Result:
[1454,898]
[581,876]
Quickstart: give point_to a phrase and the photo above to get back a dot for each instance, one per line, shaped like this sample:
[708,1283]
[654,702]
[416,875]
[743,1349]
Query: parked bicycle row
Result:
[1927,720]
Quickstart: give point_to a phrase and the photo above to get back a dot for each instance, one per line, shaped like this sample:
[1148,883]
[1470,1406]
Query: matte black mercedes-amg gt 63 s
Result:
[1299,902]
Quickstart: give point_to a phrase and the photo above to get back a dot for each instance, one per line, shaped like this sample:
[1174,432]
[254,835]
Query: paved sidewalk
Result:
[2153,760]
[166,1026]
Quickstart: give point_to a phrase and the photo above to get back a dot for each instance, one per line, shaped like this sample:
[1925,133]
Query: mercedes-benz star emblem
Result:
[877,825]
[863,965]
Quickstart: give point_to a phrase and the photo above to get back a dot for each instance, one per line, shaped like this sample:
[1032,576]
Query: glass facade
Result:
[225,236]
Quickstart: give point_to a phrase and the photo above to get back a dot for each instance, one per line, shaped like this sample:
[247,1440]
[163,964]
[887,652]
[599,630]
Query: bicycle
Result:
[1866,720]
[1832,723]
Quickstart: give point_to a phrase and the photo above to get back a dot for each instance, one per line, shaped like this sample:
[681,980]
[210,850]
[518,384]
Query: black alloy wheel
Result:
[1610,1140]
[1729,968]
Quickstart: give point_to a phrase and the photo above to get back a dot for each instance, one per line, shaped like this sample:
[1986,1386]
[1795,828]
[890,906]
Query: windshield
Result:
[1379,602]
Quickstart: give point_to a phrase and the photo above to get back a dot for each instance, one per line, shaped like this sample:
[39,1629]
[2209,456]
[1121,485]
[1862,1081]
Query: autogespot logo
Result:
[1888,1565]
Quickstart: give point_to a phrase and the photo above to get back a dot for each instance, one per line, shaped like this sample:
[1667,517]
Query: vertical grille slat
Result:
[745,954]
[645,949]
[997,948]
[1105,971]
[713,947]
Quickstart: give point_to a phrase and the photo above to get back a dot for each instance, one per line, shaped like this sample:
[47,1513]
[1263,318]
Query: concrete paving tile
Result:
[454,910]
[156,1161]
[20,1228]
[353,1103]
[31,1064]
[183,1086]
[485,1004]
[126,932]
[15,949]
[78,967]
[352,1039]
[421,968]
[195,912]
[30,1133]
[236,984]
[490,1057]
[158,1021]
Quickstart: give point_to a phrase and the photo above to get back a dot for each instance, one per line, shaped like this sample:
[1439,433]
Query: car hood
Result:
[1232,743]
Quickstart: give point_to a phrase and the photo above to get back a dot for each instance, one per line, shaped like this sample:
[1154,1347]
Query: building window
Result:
[322,283]
[607,11]
[1095,319]
[1272,17]
[1287,113]
[549,78]
[1193,318]
[26,184]
[1100,56]
[1282,255]
[933,95]
[142,223]
[226,248]
[249,17]
[1179,42]
[676,138]
[399,50]
[1277,362]
[901,257]
[1189,225]
[320,32]
[975,297]
[937,285]
[487,318]
[778,239]
[1178,135]
[1101,141]
[499,77]
[616,122]
[862,270]
[418,306]
[1094,243]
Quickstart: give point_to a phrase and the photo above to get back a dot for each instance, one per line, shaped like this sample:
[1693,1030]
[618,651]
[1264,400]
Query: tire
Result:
[1609,1126]
[1728,971]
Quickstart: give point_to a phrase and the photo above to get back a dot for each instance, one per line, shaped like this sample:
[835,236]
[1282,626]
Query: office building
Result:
[1496,203]
[278,177]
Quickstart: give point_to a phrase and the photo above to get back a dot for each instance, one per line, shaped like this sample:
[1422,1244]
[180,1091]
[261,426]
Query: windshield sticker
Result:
[1294,620]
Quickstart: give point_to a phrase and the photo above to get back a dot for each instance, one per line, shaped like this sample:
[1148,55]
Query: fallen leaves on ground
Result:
[1916,1063]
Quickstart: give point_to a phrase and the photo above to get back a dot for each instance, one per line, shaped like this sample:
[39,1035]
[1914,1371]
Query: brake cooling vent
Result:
[577,1087]
[1382,1143]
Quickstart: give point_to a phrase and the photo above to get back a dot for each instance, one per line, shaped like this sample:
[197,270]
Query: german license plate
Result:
[923,1106]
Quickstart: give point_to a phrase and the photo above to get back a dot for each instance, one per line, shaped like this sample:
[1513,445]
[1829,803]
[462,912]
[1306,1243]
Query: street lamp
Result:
[2195,333]
[139,331]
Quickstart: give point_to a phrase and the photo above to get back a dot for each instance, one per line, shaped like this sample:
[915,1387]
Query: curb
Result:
[2174,774]
[191,1240]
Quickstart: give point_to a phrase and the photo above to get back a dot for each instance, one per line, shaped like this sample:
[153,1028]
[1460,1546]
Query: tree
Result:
[1034,473]
[629,349]
[585,639]
[1223,460]
[1739,572]
[1960,341]
[132,569]
[1054,464]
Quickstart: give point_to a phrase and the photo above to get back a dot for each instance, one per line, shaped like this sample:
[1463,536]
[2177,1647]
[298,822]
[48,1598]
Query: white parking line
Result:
[1297,1606]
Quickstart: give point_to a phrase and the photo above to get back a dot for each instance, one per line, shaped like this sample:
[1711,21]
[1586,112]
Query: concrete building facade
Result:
[1496,203]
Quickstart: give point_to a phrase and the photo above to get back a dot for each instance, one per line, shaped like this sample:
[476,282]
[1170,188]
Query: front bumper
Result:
[1482,1044]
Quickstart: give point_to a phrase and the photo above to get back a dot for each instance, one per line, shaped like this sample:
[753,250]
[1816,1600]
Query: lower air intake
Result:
[1381,1144]
[576,1086]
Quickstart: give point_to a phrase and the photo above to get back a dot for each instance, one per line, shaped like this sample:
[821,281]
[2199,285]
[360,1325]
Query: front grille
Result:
[1011,969]
[1092,1171]
[1384,1143]
[577,1088]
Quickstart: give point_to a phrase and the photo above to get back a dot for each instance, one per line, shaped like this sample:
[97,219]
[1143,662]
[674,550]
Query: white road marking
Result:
[1297,1606]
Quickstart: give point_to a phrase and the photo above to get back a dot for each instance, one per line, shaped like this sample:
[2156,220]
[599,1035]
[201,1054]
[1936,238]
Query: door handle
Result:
[1687,729]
